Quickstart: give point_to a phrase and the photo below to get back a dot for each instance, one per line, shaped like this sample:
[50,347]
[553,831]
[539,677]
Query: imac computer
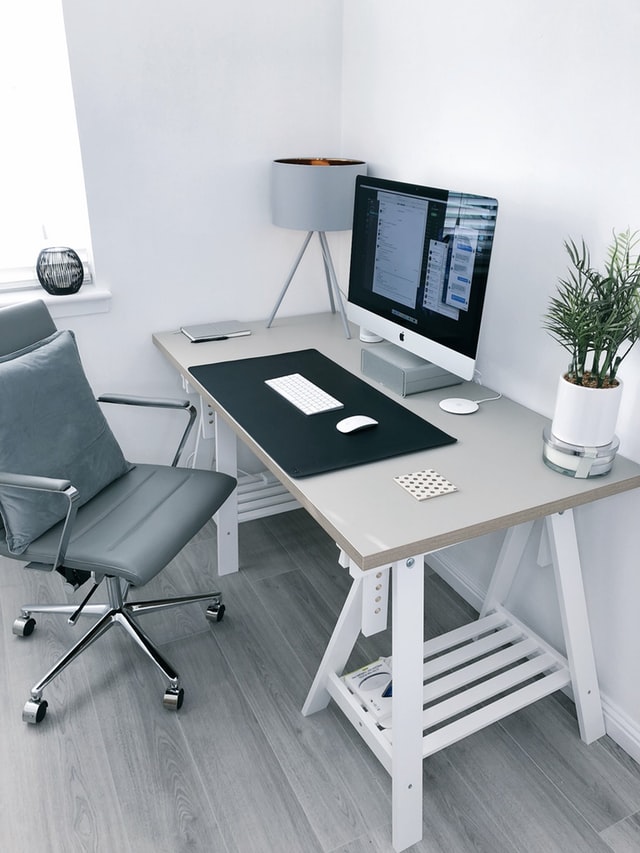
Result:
[419,267]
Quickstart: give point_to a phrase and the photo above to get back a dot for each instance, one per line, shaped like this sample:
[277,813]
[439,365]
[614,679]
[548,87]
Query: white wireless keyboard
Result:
[304,394]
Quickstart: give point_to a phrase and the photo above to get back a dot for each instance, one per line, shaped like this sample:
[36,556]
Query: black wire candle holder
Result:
[60,270]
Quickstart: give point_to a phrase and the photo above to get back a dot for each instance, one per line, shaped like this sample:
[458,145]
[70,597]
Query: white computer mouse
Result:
[459,406]
[355,423]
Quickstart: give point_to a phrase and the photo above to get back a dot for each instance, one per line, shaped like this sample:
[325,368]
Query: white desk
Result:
[385,534]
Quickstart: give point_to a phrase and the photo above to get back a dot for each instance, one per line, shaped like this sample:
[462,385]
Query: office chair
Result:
[70,502]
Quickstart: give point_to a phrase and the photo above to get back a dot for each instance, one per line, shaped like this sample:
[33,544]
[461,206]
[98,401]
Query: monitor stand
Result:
[402,371]
[369,337]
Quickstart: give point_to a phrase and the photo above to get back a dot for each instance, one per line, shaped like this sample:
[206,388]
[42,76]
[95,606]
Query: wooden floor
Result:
[239,769]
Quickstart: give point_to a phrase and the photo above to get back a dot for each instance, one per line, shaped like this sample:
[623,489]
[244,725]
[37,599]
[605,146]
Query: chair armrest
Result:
[29,481]
[54,486]
[132,400]
[158,403]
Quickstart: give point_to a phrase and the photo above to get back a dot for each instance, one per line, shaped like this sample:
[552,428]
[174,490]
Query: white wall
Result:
[181,107]
[533,102]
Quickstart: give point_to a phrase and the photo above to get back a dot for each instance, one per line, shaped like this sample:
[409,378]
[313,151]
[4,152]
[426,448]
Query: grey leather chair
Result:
[70,502]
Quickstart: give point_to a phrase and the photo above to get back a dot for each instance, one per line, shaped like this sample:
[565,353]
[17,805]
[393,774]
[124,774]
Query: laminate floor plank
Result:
[260,550]
[624,837]
[314,552]
[316,556]
[600,788]
[533,812]
[55,777]
[235,759]
[304,617]
[322,585]
[343,783]
[164,803]
[454,819]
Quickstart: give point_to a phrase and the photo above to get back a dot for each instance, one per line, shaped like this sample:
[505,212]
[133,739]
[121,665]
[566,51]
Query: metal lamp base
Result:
[332,281]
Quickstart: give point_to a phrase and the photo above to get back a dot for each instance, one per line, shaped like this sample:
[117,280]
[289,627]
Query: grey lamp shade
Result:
[314,193]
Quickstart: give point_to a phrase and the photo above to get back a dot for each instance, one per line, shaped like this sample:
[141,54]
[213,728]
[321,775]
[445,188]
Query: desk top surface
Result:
[496,463]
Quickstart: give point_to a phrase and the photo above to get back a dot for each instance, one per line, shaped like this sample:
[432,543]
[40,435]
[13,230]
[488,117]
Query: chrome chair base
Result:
[117,612]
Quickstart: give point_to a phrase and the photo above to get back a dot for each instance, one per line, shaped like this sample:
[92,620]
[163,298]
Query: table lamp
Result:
[315,194]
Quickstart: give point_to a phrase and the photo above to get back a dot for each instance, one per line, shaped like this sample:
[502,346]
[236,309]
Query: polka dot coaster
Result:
[425,484]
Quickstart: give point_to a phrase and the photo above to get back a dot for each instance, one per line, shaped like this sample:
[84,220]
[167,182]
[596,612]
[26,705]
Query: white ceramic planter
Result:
[586,416]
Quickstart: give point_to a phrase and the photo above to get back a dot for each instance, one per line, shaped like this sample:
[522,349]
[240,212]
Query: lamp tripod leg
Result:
[327,273]
[290,277]
[332,281]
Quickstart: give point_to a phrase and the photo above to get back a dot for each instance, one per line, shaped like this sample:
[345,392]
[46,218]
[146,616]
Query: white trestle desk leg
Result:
[226,518]
[575,624]
[407,699]
[365,610]
[341,644]
[507,565]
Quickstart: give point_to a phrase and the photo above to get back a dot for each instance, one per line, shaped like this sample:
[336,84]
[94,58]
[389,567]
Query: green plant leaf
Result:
[595,315]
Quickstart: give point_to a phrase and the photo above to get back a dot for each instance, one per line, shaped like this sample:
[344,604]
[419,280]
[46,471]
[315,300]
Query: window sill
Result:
[88,300]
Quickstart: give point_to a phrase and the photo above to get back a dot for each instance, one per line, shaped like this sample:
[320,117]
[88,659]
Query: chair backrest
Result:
[24,324]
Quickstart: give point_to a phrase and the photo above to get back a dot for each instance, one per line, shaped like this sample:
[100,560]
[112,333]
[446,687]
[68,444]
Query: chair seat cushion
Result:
[138,523]
[52,426]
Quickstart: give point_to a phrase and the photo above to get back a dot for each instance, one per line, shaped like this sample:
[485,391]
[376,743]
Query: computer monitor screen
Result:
[419,267]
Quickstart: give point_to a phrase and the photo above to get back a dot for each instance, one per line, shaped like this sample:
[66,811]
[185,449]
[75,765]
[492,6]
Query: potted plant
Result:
[595,316]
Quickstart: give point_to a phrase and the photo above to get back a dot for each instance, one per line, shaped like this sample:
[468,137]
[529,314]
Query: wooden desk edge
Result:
[454,537]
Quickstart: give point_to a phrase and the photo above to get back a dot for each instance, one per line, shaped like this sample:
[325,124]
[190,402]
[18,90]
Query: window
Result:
[42,196]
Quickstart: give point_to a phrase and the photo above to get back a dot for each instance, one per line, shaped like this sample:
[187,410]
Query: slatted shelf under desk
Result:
[472,677]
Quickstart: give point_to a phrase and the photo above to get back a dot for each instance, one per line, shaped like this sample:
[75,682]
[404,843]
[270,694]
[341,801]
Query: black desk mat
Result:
[310,444]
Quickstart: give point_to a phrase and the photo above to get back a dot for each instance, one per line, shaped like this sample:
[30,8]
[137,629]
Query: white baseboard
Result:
[619,726]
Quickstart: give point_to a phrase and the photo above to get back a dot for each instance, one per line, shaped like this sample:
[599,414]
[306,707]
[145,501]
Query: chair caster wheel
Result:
[173,698]
[23,626]
[215,612]
[34,711]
